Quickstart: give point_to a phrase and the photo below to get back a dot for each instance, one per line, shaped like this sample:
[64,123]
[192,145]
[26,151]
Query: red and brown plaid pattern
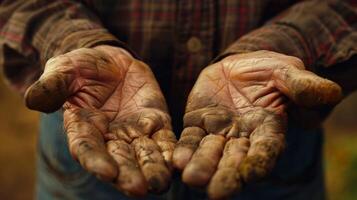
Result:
[177,38]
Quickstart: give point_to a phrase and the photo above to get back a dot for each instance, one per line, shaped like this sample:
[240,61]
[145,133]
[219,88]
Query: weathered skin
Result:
[115,116]
[236,117]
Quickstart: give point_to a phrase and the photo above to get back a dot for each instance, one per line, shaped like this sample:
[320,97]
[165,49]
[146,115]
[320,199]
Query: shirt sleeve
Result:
[32,31]
[321,33]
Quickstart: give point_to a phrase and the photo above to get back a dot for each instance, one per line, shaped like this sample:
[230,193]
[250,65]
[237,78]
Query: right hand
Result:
[236,118]
[115,116]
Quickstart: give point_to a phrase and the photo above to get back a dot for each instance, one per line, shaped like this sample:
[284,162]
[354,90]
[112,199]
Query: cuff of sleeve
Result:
[84,39]
[321,34]
[68,26]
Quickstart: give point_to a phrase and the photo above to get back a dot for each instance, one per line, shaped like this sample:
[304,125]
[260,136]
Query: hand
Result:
[236,117]
[115,116]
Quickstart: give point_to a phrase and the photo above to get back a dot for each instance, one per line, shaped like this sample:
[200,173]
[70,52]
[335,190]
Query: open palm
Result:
[236,116]
[115,116]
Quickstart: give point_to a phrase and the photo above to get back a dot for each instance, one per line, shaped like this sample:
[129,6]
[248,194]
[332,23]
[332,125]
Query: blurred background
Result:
[18,136]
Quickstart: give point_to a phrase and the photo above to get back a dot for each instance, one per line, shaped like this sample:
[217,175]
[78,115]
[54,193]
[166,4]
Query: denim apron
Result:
[298,174]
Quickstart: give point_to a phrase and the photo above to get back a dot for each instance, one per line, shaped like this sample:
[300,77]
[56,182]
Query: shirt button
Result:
[194,45]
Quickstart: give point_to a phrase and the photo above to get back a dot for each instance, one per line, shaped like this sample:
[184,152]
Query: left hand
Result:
[236,117]
[115,116]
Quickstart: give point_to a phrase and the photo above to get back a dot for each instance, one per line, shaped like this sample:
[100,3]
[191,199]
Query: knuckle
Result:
[297,62]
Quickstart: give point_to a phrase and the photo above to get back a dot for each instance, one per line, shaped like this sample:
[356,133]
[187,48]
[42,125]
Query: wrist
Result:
[124,51]
[275,38]
[268,56]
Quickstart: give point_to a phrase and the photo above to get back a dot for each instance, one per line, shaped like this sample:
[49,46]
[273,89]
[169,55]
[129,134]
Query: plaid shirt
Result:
[177,38]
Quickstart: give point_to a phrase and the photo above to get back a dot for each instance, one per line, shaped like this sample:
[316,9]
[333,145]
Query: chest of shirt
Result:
[178,38]
[172,24]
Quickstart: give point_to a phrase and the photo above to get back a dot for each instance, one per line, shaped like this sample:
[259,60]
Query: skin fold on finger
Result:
[186,146]
[152,164]
[87,145]
[130,180]
[166,140]
[227,180]
[267,141]
[204,161]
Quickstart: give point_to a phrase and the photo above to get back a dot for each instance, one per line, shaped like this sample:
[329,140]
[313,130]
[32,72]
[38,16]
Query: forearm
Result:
[34,31]
[322,34]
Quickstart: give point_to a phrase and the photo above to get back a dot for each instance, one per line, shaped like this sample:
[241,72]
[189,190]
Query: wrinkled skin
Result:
[235,118]
[115,116]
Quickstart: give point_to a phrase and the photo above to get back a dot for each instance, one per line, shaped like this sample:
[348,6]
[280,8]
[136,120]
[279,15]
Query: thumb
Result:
[307,89]
[49,93]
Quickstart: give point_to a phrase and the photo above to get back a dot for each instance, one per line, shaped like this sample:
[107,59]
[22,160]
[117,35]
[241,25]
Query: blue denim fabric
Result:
[298,174]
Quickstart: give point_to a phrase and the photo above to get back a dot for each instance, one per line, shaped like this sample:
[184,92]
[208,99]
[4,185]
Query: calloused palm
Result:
[115,116]
[236,116]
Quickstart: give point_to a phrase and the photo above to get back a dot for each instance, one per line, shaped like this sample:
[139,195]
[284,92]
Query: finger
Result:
[187,145]
[166,140]
[307,89]
[152,164]
[52,89]
[130,180]
[266,143]
[226,180]
[204,161]
[87,145]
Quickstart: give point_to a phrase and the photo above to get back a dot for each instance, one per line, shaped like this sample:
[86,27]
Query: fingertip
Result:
[34,99]
[130,179]
[152,165]
[195,176]
[181,157]
[103,168]
[186,146]
[204,162]
[310,90]
[158,184]
[41,97]
[133,186]
[318,94]
[333,94]
[254,168]
[157,177]
[224,183]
